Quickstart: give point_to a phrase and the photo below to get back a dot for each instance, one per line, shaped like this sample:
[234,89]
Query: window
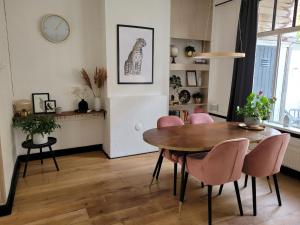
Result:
[277,64]
[278,14]
[265,15]
[298,15]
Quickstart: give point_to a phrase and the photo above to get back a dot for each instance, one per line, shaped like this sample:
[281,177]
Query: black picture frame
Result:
[47,110]
[189,74]
[43,97]
[118,53]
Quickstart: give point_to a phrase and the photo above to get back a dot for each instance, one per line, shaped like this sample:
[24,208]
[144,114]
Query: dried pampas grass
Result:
[100,76]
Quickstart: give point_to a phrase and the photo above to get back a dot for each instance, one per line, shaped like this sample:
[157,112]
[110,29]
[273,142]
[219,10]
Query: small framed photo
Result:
[191,78]
[38,102]
[50,106]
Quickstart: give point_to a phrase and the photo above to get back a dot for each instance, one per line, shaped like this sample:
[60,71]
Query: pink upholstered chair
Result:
[200,118]
[167,121]
[265,160]
[221,165]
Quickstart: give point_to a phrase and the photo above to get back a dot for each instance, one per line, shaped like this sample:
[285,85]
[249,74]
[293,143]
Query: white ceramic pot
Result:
[39,139]
[97,104]
[252,121]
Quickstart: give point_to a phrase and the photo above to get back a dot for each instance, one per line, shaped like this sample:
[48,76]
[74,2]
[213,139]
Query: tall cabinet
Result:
[190,26]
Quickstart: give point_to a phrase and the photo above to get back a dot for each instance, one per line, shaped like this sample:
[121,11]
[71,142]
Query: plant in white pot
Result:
[198,97]
[100,76]
[36,127]
[257,108]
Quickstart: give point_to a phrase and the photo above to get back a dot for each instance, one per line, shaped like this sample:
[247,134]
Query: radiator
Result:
[292,156]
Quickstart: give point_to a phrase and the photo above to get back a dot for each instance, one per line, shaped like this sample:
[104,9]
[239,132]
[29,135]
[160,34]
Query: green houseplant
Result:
[198,96]
[36,127]
[257,108]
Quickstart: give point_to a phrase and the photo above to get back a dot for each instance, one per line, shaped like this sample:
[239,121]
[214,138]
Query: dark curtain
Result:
[242,78]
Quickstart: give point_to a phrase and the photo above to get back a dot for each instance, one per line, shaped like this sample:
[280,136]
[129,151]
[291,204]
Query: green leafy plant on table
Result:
[257,108]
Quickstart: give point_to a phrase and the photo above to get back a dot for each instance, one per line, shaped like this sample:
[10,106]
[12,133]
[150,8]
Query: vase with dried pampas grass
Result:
[100,76]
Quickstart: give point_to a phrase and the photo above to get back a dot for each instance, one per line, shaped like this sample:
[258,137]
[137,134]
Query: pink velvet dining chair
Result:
[201,118]
[223,164]
[265,160]
[167,121]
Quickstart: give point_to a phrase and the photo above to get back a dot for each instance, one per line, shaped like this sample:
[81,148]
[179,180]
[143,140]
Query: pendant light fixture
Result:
[219,54]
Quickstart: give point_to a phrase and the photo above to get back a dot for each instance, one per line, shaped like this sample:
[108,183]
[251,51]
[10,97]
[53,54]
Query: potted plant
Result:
[36,127]
[189,51]
[257,108]
[198,96]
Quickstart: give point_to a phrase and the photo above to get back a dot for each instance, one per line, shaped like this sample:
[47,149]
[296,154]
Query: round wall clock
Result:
[55,28]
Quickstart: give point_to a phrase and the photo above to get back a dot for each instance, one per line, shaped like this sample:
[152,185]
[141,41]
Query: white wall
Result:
[41,66]
[224,30]
[76,131]
[8,153]
[129,105]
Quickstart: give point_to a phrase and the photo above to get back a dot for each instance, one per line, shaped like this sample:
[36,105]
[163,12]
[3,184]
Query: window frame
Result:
[279,33]
[295,12]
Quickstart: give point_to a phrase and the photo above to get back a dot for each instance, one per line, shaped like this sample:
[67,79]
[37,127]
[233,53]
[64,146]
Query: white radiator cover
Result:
[292,156]
[128,117]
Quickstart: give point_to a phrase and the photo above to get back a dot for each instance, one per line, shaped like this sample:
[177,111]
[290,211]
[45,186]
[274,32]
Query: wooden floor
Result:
[91,189]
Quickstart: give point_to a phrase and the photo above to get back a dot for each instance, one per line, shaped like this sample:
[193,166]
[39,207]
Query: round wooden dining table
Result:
[197,138]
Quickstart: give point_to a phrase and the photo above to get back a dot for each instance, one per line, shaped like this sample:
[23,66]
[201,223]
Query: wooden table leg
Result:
[53,156]
[182,181]
[27,159]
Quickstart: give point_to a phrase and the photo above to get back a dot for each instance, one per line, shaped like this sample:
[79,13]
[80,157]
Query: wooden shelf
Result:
[201,87]
[74,113]
[174,107]
[199,67]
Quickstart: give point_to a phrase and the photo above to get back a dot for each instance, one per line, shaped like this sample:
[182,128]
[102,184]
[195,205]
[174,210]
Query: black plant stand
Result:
[29,145]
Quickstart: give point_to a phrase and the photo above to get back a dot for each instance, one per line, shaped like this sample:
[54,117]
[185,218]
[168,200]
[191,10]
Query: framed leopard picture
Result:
[135,46]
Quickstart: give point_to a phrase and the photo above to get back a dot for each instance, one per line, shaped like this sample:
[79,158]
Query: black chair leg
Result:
[186,176]
[246,181]
[41,157]
[269,183]
[277,189]
[159,167]
[26,163]
[254,195]
[175,179]
[209,204]
[202,184]
[53,156]
[157,164]
[221,189]
[238,197]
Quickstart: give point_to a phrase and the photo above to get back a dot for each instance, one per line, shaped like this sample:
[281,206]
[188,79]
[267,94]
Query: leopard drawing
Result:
[133,64]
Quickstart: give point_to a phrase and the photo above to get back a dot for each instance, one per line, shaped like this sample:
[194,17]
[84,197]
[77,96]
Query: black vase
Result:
[83,106]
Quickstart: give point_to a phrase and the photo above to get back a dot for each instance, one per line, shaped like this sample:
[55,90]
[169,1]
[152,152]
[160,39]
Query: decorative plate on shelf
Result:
[184,96]
[257,127]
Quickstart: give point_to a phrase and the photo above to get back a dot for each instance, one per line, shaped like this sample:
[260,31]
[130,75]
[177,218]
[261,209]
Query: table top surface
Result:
[29,143]
[192,138]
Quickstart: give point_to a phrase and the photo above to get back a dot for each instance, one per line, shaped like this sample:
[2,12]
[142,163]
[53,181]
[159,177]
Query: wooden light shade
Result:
[216,55]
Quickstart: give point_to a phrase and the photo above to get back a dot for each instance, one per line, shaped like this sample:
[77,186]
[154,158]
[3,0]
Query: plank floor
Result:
[90,189]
